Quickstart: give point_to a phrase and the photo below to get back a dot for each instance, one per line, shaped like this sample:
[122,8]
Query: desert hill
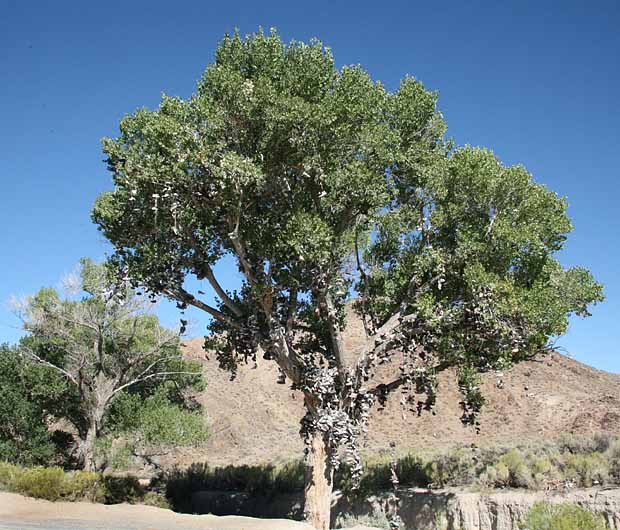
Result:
[255,420]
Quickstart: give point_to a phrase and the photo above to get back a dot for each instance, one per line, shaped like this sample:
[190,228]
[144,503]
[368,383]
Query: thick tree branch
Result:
[241,252]
[266,299]
[335,332]
[364,280]
[386,388]
[228,301]
[292,308]
[382,340]
[285,355]
[183,296]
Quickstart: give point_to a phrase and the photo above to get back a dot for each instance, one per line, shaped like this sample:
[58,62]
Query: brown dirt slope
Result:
[255,420]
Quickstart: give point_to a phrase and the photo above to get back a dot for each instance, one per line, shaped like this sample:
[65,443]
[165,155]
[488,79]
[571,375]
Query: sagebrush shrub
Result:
[7,474]
[84,485]
[453,469]
[587,470]
[612,456]
[544,516]
[519,474]
[40,482]
[53,484]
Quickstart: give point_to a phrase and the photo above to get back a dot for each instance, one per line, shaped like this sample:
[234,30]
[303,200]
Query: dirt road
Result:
[22,513]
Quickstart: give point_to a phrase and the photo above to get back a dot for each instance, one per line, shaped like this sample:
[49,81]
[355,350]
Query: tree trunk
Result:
[87,449]
[319,484]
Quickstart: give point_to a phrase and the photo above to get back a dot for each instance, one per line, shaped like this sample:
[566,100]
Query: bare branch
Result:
[151,376]
[169,339]
[40,360]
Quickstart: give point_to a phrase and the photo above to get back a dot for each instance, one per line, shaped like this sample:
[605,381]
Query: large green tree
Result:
[115,361]
[320,183]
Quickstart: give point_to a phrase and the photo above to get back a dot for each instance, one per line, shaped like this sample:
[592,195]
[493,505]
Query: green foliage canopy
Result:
[318,180]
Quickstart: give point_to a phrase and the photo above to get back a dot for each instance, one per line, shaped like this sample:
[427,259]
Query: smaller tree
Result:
[101,339]
[28,392]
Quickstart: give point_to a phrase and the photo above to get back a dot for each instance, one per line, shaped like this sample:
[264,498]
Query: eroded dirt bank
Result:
[422,509]
[500,510]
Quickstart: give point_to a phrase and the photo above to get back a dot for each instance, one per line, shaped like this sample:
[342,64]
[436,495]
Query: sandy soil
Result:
[22,513]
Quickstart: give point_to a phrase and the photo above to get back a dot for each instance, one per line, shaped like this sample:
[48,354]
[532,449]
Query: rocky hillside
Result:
[256,420]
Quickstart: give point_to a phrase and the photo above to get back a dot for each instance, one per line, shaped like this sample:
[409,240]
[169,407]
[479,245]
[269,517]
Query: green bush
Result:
[581,461]
[570,443]
[7,474]
[517,469]
[457,468]
[533,466]
[612,457]
[544,471]
[290,477]
[28,392]
[262,479]
[152,498]
[142,427]
[84,485]
[377,519]
[40,482]
[586,470]
[53,484]
[543,516]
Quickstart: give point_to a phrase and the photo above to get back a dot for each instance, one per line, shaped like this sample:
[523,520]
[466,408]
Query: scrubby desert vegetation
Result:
[56,484]
[569,462]
[545,516]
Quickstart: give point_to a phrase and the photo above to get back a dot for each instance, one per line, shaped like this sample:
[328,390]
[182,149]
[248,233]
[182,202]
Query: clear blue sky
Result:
[538,82]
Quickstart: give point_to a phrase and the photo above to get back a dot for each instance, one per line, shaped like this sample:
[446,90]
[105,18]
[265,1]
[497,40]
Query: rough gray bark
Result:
[319,483]
[87,449]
